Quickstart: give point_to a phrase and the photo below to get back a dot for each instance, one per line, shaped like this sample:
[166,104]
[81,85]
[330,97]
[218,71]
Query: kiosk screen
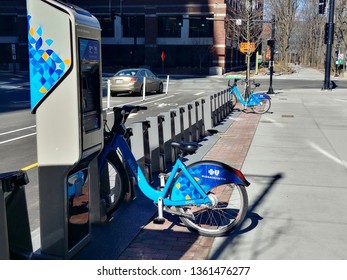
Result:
[89,53]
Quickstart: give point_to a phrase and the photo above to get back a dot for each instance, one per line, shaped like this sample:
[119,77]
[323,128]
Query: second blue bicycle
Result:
[260,103]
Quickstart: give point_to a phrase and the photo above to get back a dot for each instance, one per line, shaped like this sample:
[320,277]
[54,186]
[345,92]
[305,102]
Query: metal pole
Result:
[167,84]
[248,58]
[144,89]
[272,51]
[329,45]
[108,94]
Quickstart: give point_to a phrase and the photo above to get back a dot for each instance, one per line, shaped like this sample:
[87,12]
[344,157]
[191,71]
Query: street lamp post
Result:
[330,35]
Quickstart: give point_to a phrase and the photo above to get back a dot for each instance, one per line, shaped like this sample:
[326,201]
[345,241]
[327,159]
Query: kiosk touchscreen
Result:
[65,84]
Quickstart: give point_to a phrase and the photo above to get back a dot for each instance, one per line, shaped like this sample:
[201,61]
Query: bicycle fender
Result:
[261,96]
[208,174]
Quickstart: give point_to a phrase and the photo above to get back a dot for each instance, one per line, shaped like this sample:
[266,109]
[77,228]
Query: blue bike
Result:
[260,103]
[208,196]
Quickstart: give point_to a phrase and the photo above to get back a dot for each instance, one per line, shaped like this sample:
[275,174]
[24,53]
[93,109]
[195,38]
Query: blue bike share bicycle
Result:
[208,196]
[260,103]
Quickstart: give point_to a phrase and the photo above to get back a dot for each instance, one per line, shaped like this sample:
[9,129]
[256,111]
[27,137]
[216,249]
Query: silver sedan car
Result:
[132,81]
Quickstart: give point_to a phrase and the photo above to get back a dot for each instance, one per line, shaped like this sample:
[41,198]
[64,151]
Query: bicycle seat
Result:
[188,147]
[233,77]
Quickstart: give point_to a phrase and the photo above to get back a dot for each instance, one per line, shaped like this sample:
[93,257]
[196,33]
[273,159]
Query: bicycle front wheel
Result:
[233,100]
[114,182]
[263,107]
[228,210]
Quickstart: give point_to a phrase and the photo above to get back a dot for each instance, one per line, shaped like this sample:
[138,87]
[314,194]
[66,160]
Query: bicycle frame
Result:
[119,143]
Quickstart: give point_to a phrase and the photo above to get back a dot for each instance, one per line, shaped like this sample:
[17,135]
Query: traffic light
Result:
[326,33]
[321,6]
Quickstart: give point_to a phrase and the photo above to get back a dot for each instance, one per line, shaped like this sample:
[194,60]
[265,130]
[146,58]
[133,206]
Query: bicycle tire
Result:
[227,193]
[114,182]
[225,216]
[233,100]
[264,106]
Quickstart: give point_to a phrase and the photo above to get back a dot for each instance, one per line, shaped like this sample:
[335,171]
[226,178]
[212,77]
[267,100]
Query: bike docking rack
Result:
[150,143]
[15,233]
[175,133]
[142,153]
[187,123]
[197,123]
[164,134]
[182,111]
[191,126]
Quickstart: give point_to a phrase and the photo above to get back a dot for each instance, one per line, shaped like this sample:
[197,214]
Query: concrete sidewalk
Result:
[296,160]
[297,164]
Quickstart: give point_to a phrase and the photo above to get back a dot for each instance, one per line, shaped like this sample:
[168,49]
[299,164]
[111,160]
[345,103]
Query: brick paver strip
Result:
[172,240]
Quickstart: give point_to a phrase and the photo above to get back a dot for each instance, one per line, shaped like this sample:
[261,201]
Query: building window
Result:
[107,26]
[200,26]
[133,26]
[8,25]
[169,26]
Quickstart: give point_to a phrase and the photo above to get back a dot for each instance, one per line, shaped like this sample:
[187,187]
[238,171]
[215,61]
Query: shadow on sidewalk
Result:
[251,217]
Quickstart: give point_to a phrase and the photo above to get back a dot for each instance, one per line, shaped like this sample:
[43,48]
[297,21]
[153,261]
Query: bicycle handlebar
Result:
[238,78]
[122,113]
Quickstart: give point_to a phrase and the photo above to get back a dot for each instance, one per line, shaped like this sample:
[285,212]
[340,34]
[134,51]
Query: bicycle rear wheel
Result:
[229,208]
[114,182]
[263,107]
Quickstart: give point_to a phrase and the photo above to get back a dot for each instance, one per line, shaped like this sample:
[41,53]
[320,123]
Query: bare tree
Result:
[285,12]
[310,30]
[245,26]
[340,30]
[309,35]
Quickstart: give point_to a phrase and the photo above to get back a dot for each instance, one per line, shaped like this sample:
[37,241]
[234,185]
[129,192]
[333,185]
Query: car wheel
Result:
[161,87]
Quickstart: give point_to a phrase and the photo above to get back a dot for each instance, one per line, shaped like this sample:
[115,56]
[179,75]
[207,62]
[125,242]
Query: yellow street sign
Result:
[246,47]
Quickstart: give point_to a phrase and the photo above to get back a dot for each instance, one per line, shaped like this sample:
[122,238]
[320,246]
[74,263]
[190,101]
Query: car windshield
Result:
[127,73]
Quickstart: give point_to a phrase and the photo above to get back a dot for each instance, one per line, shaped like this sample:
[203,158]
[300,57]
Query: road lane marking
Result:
[16,130]
[150,100]
[17,138]
[199,93]
[26,168]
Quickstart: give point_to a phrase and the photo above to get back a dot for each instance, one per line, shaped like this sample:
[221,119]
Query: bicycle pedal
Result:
[109,218]
[159,221]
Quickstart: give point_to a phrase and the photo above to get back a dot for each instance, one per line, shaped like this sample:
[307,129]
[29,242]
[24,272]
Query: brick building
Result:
[175,34]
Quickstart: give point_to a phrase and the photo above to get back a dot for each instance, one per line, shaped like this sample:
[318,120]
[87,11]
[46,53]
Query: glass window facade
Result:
[200,26]
[8,25]
[170,26]
[133,26]
[107,26]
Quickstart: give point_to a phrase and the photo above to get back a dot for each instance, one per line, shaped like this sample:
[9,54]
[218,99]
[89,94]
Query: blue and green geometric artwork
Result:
[46,66]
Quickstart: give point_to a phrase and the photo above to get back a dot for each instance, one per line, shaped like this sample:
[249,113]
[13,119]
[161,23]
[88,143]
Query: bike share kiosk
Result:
[65,85]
